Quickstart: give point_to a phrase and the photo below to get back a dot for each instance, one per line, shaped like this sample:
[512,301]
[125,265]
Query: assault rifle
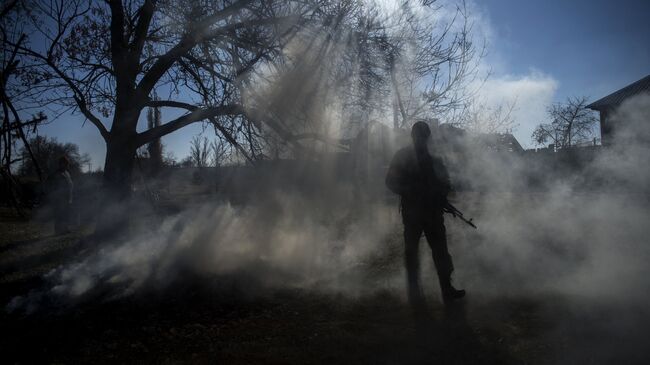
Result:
[457,214]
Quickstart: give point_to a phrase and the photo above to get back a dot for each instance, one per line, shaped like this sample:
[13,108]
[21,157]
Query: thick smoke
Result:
[581,232]
[574,240]
[565,235]
[284,241]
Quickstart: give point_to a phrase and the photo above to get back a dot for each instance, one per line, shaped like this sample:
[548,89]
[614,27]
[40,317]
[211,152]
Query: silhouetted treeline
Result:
[47,152]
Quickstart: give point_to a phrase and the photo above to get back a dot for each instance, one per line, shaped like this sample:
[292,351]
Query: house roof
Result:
[617,97]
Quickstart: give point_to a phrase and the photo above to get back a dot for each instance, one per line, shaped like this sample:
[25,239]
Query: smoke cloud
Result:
[567,235]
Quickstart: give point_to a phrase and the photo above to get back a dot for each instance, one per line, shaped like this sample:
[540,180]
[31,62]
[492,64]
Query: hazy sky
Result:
[539,52]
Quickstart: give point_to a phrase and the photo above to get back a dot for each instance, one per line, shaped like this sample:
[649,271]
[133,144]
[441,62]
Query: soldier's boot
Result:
[449,293]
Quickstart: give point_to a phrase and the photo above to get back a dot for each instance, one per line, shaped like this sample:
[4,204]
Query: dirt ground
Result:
[214,320]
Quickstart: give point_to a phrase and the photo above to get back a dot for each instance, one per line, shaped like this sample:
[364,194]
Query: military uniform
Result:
[422,182]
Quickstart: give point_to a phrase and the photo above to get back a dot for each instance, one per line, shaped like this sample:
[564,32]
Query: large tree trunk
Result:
[118,169]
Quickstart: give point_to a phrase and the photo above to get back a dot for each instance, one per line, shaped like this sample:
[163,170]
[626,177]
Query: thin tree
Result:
[481,118]
[571,123]
[200,152]
[155,147]
[432,62]
[220,152]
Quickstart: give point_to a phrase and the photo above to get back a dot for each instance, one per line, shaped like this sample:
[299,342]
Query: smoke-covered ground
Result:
[534,296]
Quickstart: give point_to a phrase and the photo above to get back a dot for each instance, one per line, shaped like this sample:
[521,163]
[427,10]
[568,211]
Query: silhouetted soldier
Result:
[61,196]
[422,182]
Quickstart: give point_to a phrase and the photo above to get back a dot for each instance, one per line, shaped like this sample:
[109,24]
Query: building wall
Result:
[606,130]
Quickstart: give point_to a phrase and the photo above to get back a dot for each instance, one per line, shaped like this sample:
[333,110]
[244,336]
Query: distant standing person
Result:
[422,182]
[61,196]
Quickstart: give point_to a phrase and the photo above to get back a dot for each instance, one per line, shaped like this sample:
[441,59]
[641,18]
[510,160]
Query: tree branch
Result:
[78,95]
[164,62]
[145,14]
[117,32]
[19,124]
[7,8]
[170,104]
[196,115]
[229,137]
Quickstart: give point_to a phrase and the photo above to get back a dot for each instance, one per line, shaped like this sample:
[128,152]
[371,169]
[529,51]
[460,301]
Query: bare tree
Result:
[106,59]
[571,124]
[481,118]
[431,62]
[200,152]
[220,152]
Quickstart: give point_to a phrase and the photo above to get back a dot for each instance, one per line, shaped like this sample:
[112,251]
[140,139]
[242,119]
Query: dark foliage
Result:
[47,152]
